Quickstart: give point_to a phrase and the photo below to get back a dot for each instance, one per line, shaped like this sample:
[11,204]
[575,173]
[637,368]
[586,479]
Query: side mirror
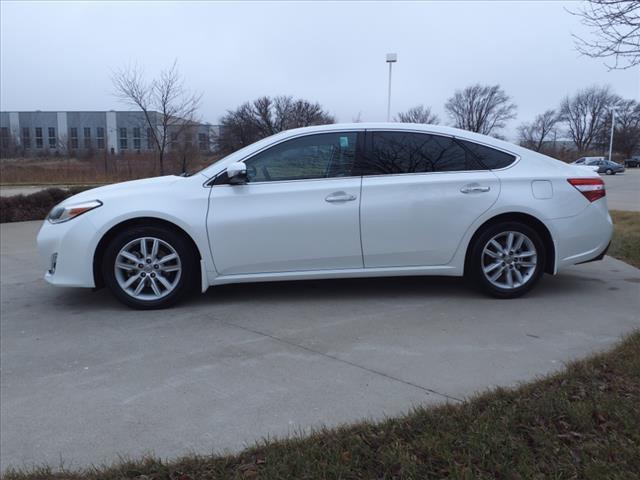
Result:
[237,173]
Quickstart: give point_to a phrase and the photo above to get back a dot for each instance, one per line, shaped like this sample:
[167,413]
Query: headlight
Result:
[59,214]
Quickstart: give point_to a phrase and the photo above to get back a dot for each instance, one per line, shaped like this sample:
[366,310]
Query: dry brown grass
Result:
[98,170]
[625,244]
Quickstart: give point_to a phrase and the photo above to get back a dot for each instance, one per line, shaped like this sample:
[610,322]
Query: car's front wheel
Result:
[609,171]
[149,267]
[506,260]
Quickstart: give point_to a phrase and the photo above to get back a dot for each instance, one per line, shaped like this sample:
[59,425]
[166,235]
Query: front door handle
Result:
[336,197]
[474,188]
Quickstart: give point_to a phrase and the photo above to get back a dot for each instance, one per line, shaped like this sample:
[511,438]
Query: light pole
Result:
[391,59]
[613,123]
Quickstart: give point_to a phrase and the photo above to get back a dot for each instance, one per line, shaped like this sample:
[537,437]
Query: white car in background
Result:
[334,201]
[589,163]
[590,167]
[586,160]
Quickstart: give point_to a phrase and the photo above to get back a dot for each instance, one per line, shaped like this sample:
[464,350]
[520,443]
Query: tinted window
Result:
[313,156]
[405,152]
[489,157]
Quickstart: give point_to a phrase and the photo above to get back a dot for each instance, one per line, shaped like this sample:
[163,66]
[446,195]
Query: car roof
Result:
[420,127]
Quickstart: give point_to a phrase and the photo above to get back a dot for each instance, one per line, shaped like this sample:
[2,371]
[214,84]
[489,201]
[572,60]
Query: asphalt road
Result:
[84,379]
[11,190]
[623,190]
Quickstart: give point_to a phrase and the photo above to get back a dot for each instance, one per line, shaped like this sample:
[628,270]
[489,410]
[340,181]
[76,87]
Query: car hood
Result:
[123,189]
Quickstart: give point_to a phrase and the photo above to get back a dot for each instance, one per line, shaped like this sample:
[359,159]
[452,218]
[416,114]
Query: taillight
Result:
[591,188]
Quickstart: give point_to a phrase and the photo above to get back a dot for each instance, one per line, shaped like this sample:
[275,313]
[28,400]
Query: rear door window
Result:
[395,152]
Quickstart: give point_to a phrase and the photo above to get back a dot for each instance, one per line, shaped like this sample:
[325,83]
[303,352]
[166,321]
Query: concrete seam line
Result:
[332,357]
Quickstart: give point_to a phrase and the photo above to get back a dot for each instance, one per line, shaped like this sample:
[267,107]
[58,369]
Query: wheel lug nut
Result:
[153,275]
[140,265]
[148,260]
[156,266]
[143,274]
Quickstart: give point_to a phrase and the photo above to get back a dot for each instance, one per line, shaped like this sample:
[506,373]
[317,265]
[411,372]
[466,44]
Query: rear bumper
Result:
[599,257]
[584,237]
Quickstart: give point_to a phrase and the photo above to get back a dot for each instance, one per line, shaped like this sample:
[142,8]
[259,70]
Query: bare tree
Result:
[266,116]
[186,146]
[533,135]
[585,115]
[615,26]
[167,106]
[480,108]
[626,137]
[418,114]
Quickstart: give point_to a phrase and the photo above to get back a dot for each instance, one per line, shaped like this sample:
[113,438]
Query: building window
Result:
[87,138]
[203,141]
[4,135]
[26,137]
[149,139]
[52,138]
[100,137]
[39,140]
[136,139]
[123,139]
[73,133]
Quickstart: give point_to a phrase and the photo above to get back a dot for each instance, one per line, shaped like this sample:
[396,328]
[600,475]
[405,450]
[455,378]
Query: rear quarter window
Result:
[489,157]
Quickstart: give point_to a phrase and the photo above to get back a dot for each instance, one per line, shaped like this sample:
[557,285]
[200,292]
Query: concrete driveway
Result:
[84,379]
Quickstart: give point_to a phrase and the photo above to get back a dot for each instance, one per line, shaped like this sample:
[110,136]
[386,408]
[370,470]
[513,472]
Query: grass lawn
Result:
[626,237]
[582,423]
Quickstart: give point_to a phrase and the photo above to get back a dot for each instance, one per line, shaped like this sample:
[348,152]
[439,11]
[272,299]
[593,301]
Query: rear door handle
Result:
[337,197]
[474,188]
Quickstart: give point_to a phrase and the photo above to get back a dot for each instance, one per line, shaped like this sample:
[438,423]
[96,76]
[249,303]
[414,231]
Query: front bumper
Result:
[71,242]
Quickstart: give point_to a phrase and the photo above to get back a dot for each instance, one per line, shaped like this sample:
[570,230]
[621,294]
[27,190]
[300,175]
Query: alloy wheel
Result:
[509,260]
[148,268]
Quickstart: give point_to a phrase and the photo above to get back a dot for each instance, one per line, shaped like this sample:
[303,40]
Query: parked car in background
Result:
[633,162]
[606,166]
[587,160]
[588,166]
[334,201]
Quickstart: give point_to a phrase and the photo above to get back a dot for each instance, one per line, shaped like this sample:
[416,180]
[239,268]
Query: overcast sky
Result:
[59,56]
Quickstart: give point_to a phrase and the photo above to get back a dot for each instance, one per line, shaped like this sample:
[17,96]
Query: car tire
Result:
[164,272]
[608,171]
[516,274]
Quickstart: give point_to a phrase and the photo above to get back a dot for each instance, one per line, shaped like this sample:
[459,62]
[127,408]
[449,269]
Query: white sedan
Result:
[335,201]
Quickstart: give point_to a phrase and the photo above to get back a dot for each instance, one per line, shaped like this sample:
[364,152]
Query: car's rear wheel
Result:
[506,260]
[609,171]
[149,267]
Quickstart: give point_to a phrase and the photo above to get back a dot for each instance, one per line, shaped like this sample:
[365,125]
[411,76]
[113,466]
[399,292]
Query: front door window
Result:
[324,155]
